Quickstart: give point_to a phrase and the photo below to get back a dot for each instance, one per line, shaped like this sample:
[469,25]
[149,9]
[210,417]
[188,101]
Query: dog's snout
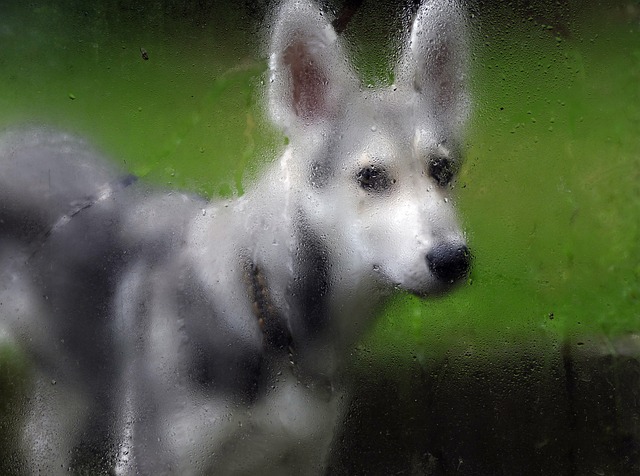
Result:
[449,263]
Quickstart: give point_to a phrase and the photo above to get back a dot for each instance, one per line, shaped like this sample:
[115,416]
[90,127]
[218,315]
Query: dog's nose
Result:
[449,263]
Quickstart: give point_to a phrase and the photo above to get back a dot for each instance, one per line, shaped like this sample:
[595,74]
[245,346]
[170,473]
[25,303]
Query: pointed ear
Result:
[435,61]
[308,69]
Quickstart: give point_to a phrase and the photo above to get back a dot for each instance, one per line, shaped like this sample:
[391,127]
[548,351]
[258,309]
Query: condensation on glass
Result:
[311,237]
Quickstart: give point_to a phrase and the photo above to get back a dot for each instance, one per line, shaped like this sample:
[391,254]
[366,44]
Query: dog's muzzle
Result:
[449,263]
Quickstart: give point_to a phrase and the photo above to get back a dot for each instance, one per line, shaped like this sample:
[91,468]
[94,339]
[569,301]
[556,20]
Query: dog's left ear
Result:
[308,68]
[435,61]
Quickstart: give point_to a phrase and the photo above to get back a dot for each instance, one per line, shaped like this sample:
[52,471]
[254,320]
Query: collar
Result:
[276,334]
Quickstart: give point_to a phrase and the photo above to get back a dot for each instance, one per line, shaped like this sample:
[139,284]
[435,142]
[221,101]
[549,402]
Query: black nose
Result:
[449,263]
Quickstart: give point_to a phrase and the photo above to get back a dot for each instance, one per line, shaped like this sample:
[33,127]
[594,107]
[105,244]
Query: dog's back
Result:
[71,223]
[58,217]
[45,175]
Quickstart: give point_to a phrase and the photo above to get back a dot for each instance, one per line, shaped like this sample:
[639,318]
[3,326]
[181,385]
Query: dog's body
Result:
[174,336]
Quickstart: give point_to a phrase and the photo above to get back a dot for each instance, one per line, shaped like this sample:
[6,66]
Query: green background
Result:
[549,193]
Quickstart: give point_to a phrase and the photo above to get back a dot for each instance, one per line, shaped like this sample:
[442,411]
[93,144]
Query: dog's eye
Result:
[442,170]
[374,178]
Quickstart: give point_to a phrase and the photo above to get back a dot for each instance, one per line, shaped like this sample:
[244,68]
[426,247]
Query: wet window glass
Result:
[319,237]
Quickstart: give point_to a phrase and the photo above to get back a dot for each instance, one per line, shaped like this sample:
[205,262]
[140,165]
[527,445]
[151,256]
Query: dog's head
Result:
[372,168]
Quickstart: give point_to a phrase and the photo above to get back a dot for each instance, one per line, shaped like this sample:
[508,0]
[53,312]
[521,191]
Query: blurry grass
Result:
[550,192]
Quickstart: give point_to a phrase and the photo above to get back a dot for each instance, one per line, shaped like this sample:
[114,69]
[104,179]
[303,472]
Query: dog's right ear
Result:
[308,69]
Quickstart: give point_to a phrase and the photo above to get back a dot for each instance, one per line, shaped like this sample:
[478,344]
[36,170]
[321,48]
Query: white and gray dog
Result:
[173,336]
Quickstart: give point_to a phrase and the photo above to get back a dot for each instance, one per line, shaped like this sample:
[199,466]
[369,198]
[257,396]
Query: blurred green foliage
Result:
[549,193]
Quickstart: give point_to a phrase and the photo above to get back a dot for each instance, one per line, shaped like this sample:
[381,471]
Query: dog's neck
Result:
[292,273]
[326,304]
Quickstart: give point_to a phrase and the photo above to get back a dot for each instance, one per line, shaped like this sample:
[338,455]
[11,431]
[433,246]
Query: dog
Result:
[168,335]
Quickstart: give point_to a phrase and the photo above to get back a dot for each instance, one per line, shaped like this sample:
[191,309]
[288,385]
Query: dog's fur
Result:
[169,335]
